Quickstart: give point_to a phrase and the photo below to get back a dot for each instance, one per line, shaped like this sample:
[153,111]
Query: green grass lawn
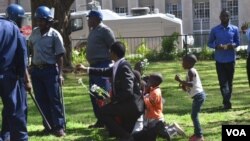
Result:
[176,108]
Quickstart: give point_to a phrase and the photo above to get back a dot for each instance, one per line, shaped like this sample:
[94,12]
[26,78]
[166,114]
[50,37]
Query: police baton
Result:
[40,111]
[63,106]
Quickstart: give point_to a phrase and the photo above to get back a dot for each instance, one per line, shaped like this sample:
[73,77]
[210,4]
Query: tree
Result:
[62,23]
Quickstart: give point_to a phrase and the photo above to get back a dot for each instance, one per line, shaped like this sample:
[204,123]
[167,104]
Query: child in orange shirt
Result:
[153,101]
[153,118]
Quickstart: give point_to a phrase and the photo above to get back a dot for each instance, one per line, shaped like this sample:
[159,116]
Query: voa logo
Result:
[236,132]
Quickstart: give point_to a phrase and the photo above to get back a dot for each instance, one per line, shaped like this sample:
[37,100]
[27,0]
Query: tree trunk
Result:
[62,23]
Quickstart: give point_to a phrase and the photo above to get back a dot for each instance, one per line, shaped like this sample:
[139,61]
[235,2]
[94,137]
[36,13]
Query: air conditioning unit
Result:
[138,11]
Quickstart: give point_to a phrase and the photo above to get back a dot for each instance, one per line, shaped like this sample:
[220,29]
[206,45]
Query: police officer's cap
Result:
[95,13]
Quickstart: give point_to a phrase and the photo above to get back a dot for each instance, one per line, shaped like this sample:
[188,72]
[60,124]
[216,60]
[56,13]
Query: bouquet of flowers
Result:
[100,91]
[105,98]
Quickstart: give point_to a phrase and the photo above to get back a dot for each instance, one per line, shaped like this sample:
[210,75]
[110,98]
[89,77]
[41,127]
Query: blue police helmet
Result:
[15,12]
[43,12]
[95,13]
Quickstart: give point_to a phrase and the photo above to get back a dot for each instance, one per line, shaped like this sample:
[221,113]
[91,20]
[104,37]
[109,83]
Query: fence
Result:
[155,43]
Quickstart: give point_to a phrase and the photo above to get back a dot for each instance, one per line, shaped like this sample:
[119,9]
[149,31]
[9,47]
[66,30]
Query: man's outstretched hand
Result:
[81,68]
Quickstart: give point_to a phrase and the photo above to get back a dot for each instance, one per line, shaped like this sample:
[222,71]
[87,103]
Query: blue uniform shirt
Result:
[221,35]
[46,47]
[13,55]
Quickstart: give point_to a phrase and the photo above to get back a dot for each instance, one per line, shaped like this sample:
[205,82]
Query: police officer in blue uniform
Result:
[13,64]
[46,73]
[16,14]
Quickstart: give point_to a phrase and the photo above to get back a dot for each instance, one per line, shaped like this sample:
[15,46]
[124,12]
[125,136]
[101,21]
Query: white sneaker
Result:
[178,129]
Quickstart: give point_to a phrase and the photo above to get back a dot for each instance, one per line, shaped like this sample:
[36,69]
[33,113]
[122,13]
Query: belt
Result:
[43,66]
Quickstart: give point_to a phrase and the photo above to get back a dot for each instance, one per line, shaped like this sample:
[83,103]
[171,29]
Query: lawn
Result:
[177,104]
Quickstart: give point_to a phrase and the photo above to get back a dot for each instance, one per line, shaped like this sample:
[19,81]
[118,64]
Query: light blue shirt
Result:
[46,47]
[224,35]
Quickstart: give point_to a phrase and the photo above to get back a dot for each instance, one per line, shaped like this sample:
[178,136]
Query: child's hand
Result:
[183,87]
[177,78]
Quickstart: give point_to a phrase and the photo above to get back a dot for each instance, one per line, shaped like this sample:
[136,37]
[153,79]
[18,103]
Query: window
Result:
[175,9]
[201,16]
[201,10]
[201,21]
[76,24]
[121,9]
[232,7]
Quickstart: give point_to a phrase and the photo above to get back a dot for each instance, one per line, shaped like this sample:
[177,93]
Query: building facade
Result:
[198,16]
[4,4]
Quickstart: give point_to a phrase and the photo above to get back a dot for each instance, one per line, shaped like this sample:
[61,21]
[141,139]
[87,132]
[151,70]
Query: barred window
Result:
[121,10]
[201,16]
[232,7]
[175,9]
[201,10]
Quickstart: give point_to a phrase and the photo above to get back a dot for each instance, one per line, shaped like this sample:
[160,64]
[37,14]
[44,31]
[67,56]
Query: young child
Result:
[193,86]
[153,117]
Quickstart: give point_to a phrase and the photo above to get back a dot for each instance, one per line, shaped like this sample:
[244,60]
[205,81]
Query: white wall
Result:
[244,11]
[160,4]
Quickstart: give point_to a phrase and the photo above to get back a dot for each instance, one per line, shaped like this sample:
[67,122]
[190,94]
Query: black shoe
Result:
[59,133]
[162,131]
[227,107]
[97,125]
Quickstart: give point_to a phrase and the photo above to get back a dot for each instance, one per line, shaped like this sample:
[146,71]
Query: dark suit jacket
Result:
[125,87]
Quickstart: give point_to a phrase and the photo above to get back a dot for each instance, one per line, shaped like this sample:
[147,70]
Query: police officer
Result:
[100,39]
[13,64]
[46,73]
[16,14]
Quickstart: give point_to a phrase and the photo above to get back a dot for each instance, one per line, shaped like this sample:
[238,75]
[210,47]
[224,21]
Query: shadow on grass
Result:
[220,109]
[83,134]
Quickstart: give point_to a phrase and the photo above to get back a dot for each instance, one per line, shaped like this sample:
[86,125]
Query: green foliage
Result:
[205,54]
[153,55]
[169,45]
[79,55]
[141,53]
[143,49]
[133,58]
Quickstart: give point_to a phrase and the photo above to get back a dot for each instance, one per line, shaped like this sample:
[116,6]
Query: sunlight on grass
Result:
[176,108]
